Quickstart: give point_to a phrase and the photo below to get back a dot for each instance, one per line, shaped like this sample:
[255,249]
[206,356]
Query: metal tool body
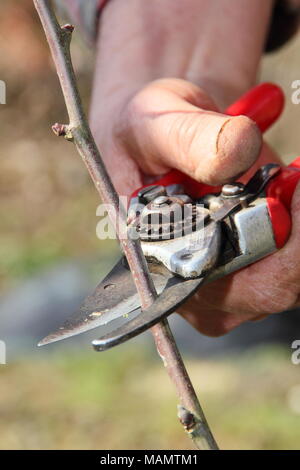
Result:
[192,247]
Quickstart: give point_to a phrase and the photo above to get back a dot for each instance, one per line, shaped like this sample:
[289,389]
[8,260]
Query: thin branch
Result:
[59,38]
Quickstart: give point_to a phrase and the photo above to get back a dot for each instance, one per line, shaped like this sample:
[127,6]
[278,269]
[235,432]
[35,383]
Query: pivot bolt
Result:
[150,193]
[160,201]
[232,190]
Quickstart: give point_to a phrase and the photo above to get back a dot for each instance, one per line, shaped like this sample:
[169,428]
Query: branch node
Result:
[62,130]
[187,419]
[59,129]
[68,28]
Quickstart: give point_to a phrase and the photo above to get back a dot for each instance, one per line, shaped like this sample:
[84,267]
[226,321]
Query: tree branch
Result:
[59,38]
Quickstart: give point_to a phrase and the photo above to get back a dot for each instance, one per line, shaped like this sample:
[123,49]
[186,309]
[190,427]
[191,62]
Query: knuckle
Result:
[274,299]
[128,120]
[183,134]
[274,283]
[135,106]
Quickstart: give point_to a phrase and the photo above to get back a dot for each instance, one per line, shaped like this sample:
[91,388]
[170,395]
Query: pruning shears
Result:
[193,234]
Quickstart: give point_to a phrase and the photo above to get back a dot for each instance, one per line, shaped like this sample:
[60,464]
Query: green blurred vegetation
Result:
[125,401]
[47,201]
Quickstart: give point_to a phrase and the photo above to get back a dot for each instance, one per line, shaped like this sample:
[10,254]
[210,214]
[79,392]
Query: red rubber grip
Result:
[263,104]
[279,198]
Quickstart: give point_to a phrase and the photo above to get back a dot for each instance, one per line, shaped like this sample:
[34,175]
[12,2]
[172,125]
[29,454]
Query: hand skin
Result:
[146,123]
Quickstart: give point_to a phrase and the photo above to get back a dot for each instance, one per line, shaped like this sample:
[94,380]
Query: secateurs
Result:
[193,234]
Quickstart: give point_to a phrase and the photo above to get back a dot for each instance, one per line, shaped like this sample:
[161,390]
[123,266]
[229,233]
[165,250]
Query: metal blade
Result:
[114,297]
[171,298]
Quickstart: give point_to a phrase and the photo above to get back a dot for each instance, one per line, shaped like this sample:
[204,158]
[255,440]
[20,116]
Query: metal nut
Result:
[160,200]
[232,190]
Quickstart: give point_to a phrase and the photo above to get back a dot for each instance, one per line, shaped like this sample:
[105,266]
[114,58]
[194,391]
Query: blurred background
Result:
[65,396]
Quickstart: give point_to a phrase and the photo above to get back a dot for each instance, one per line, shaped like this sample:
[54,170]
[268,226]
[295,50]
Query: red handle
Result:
[263,104]
[279,198]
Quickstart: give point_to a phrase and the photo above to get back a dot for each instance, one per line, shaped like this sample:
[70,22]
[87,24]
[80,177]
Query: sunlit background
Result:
[65,396]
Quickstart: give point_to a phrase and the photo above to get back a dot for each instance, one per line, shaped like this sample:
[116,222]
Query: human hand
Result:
[145,130]
[174,124]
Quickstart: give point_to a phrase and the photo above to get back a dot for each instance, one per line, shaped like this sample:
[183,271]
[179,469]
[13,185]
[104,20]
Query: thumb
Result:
[172,123]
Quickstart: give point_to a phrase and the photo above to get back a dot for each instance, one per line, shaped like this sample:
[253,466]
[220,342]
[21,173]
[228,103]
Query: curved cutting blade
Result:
[115,297]
[171,298]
